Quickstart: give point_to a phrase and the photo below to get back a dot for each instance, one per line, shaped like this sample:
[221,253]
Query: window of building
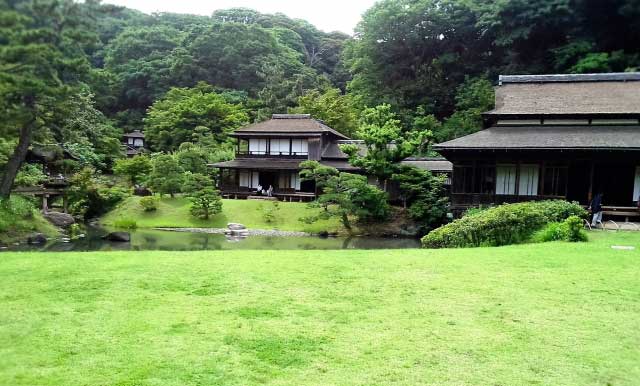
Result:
[555,181]
[279,146]
[528,182]
[243,146]
[289,180]
[249,178]
[138,142]
[485,177]
[299,147]
[506,179]
[636,185]
[258,146]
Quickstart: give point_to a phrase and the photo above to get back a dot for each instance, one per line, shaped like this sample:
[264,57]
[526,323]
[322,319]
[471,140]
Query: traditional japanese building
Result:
[269,153]
[133,143]
[553,136]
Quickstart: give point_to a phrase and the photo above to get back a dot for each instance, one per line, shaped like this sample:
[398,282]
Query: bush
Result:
[270,211]
[570,229]
[125,223]
[14,211]
[149,203]
[501,225]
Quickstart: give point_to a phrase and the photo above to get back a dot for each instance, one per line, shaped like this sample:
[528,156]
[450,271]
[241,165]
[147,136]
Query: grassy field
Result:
[545,314]
[175,213]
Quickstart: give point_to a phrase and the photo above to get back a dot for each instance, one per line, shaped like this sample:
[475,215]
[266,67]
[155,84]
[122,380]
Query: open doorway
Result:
[267,179]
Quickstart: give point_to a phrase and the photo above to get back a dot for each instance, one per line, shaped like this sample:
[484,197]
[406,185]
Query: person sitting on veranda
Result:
[270,191]
[596,209]
[259,189]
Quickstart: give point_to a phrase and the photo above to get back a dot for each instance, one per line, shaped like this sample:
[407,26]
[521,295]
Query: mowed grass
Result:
[174,212]
[544,314]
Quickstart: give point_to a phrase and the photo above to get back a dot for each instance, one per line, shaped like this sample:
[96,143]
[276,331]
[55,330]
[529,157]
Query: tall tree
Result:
[173,119]
[41,64]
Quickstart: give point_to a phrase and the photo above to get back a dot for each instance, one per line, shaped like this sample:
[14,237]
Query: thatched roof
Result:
[614,93]
[549,137]
[289,124]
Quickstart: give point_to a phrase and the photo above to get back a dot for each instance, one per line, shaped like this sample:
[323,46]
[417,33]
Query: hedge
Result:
[501,225]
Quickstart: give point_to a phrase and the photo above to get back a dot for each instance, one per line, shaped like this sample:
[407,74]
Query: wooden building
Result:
[269,154]
[553,136]
[133,143]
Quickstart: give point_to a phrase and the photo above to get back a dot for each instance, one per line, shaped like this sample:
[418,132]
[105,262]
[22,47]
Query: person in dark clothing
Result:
[596,209]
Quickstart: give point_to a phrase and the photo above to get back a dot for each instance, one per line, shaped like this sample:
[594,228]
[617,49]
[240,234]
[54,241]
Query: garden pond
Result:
[151,239]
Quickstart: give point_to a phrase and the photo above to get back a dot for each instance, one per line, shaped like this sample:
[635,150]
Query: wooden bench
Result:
[621,211]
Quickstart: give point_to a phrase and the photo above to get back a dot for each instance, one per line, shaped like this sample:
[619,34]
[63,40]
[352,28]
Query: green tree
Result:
[41,65]
[205,199]
[172,119]
[424,195]
[345,196]
[192,158]
[385,142]
[136,168]
[473,97]
[332,107]
[166,176]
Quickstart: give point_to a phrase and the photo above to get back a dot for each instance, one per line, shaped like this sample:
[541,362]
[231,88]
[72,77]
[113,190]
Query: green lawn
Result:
[174,212]
[546,314]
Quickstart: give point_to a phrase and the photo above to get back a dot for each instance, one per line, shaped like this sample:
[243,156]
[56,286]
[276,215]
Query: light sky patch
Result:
[327,15]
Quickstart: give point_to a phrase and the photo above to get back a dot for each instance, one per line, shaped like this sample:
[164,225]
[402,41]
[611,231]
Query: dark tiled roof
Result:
[549,137]
[548,78]
[134,134]
[289,123]
[277,164]
[429,163]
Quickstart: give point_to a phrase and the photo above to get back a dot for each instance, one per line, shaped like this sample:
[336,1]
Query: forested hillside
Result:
[78,75]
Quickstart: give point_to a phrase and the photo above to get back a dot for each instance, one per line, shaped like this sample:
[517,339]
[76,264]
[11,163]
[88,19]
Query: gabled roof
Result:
[134,134]
[612,93]
[296,124]
[548,137]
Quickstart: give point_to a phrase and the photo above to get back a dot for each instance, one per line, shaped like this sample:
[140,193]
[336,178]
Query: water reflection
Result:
[147,239]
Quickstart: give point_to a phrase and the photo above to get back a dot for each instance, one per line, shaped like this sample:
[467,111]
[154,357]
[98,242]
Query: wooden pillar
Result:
[541,185]
[45,203]
[517,187]
[591,173]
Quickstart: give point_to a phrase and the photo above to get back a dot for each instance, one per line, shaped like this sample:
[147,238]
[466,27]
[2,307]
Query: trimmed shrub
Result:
[149,203]
[125,223]
[501,225]
[570,229]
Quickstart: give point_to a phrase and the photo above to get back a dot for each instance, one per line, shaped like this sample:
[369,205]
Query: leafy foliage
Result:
[30,175]
[424,194]
[172,119]
[136,168]
[501,225]
[166,176]
[91,195]
[332,107]
[570,229]
[149,203]
[345,195]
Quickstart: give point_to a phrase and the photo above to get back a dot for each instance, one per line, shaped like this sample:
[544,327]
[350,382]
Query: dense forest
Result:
[76,76]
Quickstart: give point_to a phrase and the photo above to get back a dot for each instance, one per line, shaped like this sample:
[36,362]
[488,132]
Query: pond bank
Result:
[250,232]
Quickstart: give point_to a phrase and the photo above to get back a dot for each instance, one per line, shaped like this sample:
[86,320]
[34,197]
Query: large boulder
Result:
[235,226]
[37,238]
[118,236]
[141,191]
[63,220]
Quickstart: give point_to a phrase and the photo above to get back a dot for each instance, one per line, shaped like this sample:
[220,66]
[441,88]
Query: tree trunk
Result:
[16,160]
[345,221]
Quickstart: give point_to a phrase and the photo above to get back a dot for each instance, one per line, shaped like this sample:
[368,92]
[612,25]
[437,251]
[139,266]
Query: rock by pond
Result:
[59,219]
[118,236]
[37,238]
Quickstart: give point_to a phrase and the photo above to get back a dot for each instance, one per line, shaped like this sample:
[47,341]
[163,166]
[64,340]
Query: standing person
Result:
[596,209]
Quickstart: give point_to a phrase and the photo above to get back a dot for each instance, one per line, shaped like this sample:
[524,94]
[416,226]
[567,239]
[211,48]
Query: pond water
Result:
[148,239]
